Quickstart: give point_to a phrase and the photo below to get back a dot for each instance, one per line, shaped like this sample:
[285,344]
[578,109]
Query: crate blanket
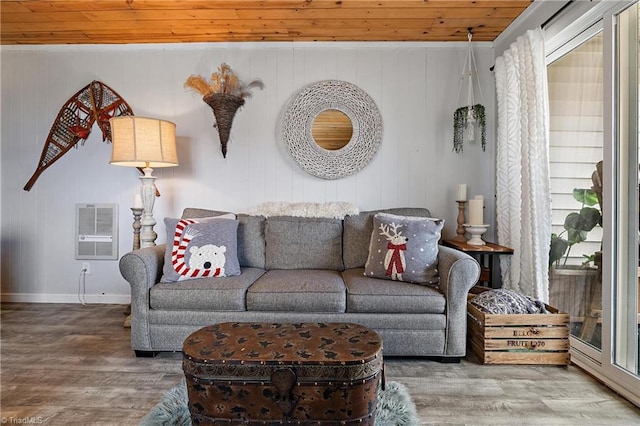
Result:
[503,301]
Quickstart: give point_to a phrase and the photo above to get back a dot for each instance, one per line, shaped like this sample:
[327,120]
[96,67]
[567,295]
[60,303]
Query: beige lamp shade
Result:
[143,142]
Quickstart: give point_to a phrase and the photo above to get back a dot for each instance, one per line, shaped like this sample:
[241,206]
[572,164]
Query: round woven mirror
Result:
[331,128]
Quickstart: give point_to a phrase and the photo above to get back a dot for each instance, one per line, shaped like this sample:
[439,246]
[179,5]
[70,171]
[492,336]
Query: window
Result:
[575,156]
[626,339]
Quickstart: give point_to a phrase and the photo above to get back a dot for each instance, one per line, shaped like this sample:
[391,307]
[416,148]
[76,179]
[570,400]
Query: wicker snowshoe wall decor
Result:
[95,102]
[224,93]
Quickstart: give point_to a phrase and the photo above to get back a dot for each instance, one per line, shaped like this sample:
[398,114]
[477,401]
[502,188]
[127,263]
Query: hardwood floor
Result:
[72,365]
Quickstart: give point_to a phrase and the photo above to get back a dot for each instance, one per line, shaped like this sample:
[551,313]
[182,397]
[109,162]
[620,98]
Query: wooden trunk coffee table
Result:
[262,373]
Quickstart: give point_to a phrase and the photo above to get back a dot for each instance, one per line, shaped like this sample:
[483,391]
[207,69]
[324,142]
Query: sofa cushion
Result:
[298,291]
[303,243]
[251,249]
[205,294]
[357,233]
[367,295]
[251,245]
[404,248]
[198,248]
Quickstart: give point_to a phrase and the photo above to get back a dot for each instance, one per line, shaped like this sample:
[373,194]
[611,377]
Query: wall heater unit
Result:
[96,231]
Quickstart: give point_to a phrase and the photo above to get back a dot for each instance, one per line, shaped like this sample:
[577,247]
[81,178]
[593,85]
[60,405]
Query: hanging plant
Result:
[460,122]
[465,118]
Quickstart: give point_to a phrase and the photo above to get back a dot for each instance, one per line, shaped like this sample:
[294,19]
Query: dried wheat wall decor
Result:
[224,93]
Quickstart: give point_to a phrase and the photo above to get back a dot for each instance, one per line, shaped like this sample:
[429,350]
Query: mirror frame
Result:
[300,114]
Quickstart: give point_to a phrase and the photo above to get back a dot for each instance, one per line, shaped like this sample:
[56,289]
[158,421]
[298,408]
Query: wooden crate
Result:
[520,338]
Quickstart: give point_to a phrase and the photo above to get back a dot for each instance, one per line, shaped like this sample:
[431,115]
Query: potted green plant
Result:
[572,287]
[577,226]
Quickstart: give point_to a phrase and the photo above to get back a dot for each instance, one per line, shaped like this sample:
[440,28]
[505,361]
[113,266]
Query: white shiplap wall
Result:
[414,86]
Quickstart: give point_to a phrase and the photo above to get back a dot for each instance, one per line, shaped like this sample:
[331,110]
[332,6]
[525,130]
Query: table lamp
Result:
[149,143]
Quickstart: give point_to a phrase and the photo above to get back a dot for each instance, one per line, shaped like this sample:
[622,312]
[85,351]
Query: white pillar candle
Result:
[475,212]
[137,202]
[461,192]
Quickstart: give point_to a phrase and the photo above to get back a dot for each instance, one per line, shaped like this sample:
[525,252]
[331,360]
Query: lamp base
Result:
[148,191]
[147,234]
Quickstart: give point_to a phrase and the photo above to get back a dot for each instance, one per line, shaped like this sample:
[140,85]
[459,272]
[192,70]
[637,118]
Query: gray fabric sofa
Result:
[304,270]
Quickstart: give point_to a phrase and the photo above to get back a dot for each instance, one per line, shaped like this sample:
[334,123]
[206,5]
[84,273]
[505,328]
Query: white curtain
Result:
[523,201]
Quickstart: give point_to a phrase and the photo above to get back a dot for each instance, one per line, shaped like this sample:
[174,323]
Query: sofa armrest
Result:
[142,269]
[458,273]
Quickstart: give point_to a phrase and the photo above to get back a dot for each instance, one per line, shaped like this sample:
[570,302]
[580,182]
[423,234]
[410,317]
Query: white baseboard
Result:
[119,299]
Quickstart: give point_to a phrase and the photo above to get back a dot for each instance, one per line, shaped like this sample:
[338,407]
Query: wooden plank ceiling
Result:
[173,21]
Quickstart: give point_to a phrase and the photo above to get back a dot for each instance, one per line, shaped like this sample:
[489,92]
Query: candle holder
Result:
[137,214]
[460,229]
[476,232]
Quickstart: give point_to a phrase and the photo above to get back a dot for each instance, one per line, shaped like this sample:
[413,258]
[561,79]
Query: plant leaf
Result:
[557,249]
[575,236]
[585,196]
[590,218]
[573,221]
[459,123]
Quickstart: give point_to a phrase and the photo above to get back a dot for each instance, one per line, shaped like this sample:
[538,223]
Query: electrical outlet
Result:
[86,267]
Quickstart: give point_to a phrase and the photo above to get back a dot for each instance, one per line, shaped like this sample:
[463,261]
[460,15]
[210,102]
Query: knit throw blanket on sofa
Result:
[334,209]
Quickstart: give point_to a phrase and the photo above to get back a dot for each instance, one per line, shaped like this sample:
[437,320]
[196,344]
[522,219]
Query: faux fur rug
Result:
[395,407]
[334,209]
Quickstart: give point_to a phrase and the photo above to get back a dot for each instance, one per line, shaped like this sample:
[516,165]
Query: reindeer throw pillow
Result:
[200,248]
[404,248]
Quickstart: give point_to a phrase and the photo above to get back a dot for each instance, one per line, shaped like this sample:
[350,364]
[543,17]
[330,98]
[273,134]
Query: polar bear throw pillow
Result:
[404,248]
[200,248]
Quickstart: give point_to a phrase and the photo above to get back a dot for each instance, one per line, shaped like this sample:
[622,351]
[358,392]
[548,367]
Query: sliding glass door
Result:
[626,314]
[594,115]
[575,153]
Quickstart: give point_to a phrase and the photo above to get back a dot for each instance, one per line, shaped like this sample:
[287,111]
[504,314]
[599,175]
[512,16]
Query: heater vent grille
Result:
[96,231]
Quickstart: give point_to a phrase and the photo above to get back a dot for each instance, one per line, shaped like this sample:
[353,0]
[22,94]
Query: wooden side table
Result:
[483,254]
